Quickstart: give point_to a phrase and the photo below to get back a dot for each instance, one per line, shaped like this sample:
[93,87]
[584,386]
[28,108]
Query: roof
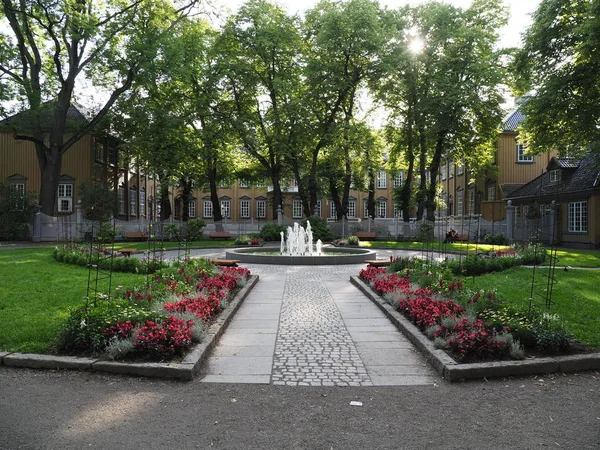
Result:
[577,176]
[512,120]
[24,121]
[508,189]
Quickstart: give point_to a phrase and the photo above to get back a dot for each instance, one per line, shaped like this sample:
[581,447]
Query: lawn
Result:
[574,295]
[36,294]
[566,256]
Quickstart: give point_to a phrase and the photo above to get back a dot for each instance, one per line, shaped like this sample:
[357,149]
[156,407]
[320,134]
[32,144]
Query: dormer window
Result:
[555,176]
[521,156]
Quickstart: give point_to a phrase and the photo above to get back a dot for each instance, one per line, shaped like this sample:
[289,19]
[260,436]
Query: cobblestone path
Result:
[309,326]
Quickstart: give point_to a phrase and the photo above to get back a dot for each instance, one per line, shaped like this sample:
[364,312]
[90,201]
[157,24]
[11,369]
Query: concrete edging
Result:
[453,371]
[185,370]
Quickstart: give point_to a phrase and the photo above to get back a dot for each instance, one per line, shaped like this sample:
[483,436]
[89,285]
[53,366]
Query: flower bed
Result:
[470,326]
[159,321]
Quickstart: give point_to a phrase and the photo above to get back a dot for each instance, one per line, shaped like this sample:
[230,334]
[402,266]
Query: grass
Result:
[170,245]
[566,256]
[36,294]
[574,295]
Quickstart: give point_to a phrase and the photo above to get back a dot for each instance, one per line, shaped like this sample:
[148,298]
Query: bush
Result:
[106,233]
[194,229]
[353,240]
[16,213]
[271,232]
[493,238]
[532,253]
[242,240]
[319,227]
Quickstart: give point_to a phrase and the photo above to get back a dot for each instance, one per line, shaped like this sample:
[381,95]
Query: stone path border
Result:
[185,370]
[453,371]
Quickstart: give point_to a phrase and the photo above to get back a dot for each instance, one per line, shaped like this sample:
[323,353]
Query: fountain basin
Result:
[336,256]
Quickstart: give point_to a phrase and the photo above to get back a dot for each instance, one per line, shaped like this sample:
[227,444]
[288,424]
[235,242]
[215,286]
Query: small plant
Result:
[242,240]
[271,232]
[353,240]
[173,232]
[194,229]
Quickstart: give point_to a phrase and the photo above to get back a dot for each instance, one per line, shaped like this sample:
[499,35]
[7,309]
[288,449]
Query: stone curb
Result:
[186,370]
[453,371]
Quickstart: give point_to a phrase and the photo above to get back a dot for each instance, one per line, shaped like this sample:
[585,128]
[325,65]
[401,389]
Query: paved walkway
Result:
[308,326]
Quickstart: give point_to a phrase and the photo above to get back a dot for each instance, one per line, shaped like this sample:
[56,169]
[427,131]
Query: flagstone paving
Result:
[308,326]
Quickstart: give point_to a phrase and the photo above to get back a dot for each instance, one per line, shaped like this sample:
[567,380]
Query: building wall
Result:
[592,237]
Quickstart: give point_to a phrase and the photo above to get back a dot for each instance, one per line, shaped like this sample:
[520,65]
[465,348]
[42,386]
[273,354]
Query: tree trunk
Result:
[214,195]
[433,170]
[50,164]
[165,203]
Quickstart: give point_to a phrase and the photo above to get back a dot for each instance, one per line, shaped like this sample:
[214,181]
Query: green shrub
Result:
[319,227]
[493,238]
[194,229]
[271,232]
[242,240]
[16,212]
[106,233]
[532,253]
[353,240]
[173,232]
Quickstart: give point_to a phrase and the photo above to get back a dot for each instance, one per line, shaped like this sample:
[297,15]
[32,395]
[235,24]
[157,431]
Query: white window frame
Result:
[65,194]
[521,156]
[332,211]
[397,211]
[226,208]
[366,208]
[297,209]
[450,169]
[318,209]
[191,208]
[444,171]
[555,176]
[399,179]
[351,209]
[19,188]
[459,203]
[121,201]
[244,184]
[381,207]
[471,201]
[491,193]
[207,209]
[460,168]
[244,209]
[142,202]
[382,179]
[261,209]
[578,217]
[133,202]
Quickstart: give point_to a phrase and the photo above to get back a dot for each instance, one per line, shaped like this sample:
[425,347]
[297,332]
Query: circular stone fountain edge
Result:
[345,256]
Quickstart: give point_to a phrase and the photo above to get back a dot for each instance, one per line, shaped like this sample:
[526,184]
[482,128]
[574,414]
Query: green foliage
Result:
[81,256]
[271,232]
[106,233]
[16,212]
[319,228]
[242,240]
[194,229]
[353,240]
[493,238]
[173,232]
[532,253]
[97,203]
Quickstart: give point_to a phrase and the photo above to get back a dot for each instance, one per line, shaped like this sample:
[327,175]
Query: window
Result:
[332,212]
[191,208]
[444,205]
[451,169]
[366,208]
[297,209]
[471,201]
[521,156]
[491,193]
[99,152]
[121,199]
[352,209]
[317,211]
[132,202]
[245,209]
[113,156]
[577,217]
[244,184]
[397,211]
[226,208]
[444,172]
[459,203]
[381,208]
[261,209]
[19,190]
[460,168]
[381,179]
[142,202]
[207,209]
[555,176]
[398,179]
[65,198]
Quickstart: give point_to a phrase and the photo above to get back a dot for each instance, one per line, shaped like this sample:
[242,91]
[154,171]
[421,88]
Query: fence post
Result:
[553,233]
[510,222]
[479,229]
[37,224]
[279,216]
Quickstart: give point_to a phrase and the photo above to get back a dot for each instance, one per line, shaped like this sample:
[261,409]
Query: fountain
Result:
[297,248]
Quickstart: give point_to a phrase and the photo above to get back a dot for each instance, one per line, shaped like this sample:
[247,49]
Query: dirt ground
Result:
[76,410]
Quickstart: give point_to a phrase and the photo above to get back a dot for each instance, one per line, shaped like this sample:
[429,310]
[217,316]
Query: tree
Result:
[53,45]
[559,70]
[261,70]
[445,100]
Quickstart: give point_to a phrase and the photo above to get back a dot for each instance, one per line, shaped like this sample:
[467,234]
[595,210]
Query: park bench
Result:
[127,251]
[219,235]
[136,235]
[378,262]
[462,237]
[225,262]
[366,235]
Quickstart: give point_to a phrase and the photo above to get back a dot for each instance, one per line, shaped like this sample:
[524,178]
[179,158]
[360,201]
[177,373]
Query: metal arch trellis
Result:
[543,289]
